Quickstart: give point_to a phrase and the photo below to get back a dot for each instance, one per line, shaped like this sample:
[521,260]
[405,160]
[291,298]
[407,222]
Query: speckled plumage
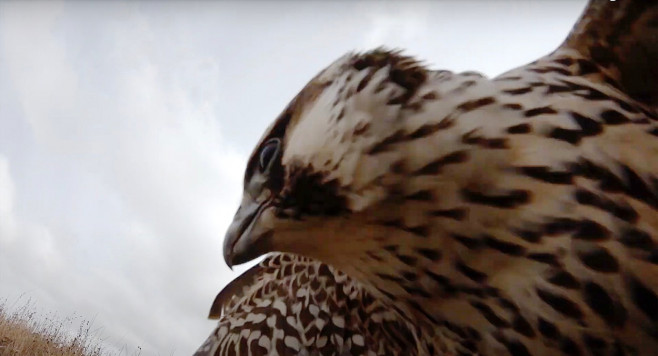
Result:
[291,305]
[515,215]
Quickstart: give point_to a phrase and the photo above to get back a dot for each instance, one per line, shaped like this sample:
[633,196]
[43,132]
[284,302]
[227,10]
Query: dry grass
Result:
[23,332]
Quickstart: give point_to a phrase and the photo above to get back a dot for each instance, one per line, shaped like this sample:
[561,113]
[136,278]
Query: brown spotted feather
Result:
[292,305]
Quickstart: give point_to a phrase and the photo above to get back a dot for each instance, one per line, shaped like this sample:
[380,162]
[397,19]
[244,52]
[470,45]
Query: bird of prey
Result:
[509,216]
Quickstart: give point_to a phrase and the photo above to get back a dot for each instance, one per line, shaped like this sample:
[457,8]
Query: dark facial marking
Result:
[309,193]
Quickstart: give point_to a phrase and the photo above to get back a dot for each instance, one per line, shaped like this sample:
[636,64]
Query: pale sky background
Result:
[125,129]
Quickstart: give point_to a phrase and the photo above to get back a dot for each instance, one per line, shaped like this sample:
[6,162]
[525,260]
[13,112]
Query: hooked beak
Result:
[241,244]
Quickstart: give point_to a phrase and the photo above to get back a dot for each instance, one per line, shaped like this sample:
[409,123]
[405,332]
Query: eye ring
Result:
[267,154]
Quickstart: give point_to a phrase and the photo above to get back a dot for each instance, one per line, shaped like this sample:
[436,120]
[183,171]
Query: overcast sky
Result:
[125,128]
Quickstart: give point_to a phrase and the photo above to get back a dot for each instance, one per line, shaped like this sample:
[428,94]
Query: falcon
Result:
[511,216]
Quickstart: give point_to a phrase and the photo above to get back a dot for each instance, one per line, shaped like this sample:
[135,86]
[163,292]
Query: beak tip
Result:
[237,238]
[228,258]
[246,249]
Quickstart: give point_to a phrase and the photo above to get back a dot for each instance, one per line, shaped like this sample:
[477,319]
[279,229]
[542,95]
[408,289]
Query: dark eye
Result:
[267,153]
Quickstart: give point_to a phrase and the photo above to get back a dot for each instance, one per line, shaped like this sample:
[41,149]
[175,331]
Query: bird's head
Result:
[325,159]
[369,168]
[363,171]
